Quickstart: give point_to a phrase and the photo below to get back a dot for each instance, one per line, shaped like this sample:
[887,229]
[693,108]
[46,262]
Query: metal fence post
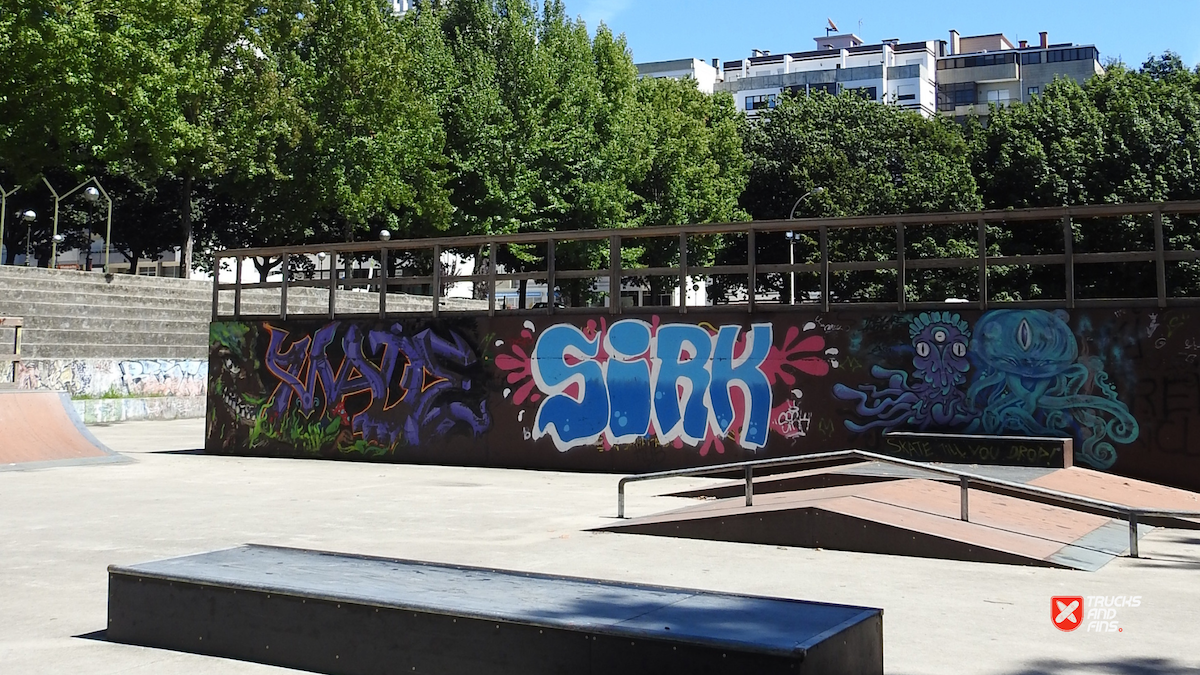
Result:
[492,279]
[683,282]
[333,273]
[752,272]
[983,274]
[283,289]
[1069,254]
[963,511]
[901,279]
[824,268]
[216,272]
[551,282]
[383,282]
[1133,534]
[749,486]
[437,279]
[1160,262]
[237,288]
[614,274]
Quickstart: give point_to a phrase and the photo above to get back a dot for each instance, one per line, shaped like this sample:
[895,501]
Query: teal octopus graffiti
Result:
[1031,380]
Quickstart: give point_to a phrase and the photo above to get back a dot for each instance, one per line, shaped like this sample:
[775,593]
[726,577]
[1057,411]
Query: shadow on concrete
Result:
[176,452]
[1144,666]
[97,635]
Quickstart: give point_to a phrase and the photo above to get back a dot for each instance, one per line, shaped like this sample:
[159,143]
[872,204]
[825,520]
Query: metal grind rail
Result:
[964,479]
[906,260]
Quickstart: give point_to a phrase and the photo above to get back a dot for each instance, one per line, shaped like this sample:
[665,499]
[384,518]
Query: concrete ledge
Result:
[336,613]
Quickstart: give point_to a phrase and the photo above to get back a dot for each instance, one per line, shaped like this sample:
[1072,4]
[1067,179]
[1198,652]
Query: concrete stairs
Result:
[87,315]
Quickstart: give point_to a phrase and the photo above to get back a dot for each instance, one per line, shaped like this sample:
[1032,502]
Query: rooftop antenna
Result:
[832,27]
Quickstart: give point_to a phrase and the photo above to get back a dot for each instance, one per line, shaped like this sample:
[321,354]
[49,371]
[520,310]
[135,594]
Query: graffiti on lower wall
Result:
[99,378]
[1021,373]
[648,391]
[670,383]
[345,388]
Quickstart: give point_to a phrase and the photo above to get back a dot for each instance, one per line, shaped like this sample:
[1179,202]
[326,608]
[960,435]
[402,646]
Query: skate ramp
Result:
[41,428]
[904,516]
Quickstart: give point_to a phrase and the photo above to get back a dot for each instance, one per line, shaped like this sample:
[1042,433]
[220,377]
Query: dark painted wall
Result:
[658,391]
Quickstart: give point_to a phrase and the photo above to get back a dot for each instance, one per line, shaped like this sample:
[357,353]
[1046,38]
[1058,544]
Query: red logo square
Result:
[1066,612]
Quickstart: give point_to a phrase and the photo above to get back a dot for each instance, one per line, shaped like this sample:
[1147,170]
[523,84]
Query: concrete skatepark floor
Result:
[63,526]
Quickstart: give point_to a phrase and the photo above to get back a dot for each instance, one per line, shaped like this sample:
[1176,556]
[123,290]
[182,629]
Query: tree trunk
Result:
[185,260]
[522,287]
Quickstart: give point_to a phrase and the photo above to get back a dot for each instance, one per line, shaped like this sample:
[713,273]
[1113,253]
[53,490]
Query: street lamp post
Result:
[4,195]
[791,237]
[92,194]
[28,217]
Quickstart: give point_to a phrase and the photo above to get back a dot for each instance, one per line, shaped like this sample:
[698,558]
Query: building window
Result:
[1031,57]
[998,96]
[869,93]
[1033,91]
[979,61]
[906,92]
[1074,54]
[950,96]
[761,102]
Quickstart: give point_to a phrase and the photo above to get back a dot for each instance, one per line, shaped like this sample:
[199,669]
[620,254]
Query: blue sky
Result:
[659,30]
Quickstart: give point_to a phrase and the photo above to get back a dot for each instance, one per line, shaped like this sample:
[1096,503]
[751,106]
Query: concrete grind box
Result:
[652,391]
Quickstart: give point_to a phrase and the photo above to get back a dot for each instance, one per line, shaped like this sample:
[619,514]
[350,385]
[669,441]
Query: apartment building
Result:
[706,75]
[982,70]
[957,78]
[889,72]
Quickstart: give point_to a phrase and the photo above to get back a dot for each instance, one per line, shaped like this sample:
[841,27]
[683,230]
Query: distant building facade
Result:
[958,78]
[989,69]
[890,72]
[706,75]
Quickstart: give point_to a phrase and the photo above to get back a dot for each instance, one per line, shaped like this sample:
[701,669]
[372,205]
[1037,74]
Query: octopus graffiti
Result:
[1019,373]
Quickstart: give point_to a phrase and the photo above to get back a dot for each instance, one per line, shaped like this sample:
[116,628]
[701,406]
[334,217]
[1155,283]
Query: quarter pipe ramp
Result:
[41,428]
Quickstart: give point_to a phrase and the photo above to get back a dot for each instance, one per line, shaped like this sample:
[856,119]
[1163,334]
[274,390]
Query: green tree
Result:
[692,171]
[871,159]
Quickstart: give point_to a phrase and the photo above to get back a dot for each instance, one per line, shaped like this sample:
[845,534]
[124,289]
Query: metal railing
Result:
[16,324]
[384,254]
[965,479]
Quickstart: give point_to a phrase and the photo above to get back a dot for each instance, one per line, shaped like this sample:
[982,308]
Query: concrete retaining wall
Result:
[111,411]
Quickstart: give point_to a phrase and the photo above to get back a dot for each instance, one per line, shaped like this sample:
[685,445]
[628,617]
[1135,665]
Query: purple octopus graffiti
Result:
[702,386]
[410,388]
[1018,372]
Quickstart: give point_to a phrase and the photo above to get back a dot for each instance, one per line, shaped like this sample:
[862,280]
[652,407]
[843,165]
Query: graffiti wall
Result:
[649,392]
[98,378]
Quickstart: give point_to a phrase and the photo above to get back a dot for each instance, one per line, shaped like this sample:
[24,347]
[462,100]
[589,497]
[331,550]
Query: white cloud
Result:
[596,11]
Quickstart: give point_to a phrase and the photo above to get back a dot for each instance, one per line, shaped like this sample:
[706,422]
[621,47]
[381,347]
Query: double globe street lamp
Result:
[92,194]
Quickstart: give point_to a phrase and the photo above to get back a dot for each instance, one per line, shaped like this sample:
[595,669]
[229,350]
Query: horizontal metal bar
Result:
[865,265]
[649,271]
[1116,257]
[579,274]
[1002,260]
[784,268]
[719,269]
[811,224]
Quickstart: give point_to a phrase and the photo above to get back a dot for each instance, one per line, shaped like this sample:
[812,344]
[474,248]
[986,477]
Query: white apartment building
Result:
[706,75]
[903,74]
